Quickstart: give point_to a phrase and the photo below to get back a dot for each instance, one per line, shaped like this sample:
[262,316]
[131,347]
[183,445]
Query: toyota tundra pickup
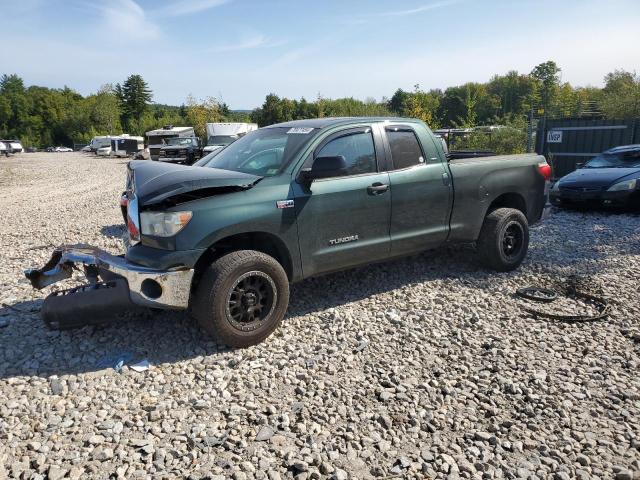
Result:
[292,201]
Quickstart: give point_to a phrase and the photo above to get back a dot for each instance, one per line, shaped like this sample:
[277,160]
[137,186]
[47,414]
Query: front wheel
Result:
[504,239]
[241,298]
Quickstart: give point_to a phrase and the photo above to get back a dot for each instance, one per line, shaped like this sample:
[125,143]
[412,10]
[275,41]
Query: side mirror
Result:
[325,167]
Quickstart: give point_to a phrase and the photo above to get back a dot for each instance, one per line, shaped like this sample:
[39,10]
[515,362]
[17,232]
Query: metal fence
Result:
[568,142]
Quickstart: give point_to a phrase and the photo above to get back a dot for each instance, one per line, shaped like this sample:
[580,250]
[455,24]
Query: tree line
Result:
[41,116]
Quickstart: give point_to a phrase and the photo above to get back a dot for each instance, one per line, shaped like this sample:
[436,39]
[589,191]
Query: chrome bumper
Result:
[168,289]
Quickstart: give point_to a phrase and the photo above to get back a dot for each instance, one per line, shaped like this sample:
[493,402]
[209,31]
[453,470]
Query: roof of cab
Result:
[332,121]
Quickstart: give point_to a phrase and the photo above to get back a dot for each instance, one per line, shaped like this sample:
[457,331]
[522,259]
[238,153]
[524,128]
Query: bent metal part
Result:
[174,284]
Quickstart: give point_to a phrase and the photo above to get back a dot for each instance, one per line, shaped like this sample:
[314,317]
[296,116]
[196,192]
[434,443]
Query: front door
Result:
[344,221]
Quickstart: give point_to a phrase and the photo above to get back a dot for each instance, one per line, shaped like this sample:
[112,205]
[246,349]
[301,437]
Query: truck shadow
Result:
[28,348]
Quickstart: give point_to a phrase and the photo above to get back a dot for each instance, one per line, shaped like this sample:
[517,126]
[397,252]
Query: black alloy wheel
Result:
[251,300]
[512,239]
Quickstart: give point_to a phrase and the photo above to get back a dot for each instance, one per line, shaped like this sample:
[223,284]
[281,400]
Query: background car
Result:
[63,149]
[609,179]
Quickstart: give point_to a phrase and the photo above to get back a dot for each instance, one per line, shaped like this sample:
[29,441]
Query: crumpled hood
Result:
[156,182]
[597,177]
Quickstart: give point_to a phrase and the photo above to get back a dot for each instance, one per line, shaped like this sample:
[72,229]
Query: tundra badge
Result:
[338,241]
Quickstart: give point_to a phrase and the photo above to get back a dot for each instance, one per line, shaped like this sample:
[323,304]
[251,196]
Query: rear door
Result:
[344,221]
[420,187]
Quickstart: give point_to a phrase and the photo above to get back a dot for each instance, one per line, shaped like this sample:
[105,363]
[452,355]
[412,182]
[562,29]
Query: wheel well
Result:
[260,241]
[509,200]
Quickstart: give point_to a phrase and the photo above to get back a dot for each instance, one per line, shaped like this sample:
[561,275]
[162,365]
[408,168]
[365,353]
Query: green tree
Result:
[422,105]
[398,101]
[513,92]
[104,110]
[134,95]
[621,95]
[201,112]
[274,110]
[547,75]
[16,109]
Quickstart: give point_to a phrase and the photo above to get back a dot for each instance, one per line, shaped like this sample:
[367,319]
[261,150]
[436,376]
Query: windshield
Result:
[179,141]
[221,139]
[204,161]
[615,160]
[264,152]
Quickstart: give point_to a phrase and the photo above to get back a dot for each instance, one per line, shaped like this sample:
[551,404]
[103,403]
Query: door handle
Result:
[377,188]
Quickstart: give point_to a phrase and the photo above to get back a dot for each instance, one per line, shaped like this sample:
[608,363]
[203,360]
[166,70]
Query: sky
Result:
[240,50]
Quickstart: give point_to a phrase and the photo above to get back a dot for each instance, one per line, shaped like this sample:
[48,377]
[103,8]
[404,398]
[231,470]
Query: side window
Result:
[405,149]
[356,148]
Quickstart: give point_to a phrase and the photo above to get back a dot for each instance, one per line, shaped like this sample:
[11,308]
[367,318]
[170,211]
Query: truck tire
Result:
[241,298]
[504,239]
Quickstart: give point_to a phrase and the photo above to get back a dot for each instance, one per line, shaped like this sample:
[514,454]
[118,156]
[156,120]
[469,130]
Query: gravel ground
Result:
[420,368]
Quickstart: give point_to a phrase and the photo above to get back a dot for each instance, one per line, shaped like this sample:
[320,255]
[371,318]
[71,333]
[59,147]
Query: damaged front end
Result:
[115,285]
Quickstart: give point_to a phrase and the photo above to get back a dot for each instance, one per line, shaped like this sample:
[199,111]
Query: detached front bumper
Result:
[167,289]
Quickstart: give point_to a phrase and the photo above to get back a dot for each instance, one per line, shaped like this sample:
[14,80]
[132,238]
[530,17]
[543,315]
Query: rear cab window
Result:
[404,147]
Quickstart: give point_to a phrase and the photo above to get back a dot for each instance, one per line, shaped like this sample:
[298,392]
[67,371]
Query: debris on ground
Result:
[140,366]
[572,288]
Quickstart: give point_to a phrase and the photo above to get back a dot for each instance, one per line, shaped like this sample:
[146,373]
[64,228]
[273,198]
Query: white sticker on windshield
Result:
[302,130]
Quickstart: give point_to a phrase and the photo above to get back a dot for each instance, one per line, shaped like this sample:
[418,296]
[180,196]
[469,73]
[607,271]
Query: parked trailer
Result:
[100,142]
[126,145]
[568,143]
[12,146]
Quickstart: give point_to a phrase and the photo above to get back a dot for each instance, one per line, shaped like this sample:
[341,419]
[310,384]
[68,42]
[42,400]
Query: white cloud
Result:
[420,9]
[187,7]
[255,41]
[128,18]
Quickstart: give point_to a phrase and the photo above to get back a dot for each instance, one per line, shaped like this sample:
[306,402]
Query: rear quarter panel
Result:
[480,181]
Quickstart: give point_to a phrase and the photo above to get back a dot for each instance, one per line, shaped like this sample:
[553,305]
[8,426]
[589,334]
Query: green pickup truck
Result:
[292,201]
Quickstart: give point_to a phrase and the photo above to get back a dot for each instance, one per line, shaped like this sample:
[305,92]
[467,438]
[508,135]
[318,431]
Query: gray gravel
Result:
[419,368]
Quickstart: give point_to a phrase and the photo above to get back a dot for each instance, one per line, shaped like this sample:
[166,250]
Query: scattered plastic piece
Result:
[141,366]
[118,366]
[115,361]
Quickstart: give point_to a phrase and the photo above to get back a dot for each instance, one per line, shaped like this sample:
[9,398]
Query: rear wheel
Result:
[241,298]
[504,239]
